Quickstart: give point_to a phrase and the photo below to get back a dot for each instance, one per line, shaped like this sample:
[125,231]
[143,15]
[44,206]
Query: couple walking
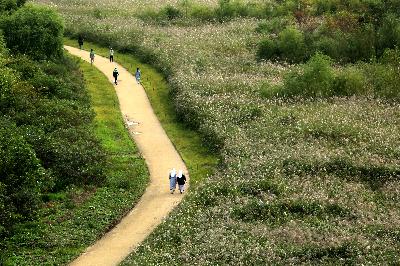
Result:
[179,178]
[116,74]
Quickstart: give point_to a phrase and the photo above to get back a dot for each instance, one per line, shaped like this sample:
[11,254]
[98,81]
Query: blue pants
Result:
[172,183]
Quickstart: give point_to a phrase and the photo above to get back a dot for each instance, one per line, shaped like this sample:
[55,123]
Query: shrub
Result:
[326,6]
[171,12]
[35,31]
[7,96]
[21,177]
[74,157]
[275,25]
[269,90]
[267,49]
[389,32]
[291,45]
[9,5]
[361,44]
[351,81]
[200,12]
[315,80]
[385,76]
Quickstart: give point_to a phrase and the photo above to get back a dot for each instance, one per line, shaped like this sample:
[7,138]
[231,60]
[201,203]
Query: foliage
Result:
[10,5]
[315,80]
[337,150]
[22,178]
[73,218]
[34,31]
[347,32]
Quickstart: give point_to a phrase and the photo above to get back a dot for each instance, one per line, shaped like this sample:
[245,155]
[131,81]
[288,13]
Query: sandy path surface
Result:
[160,156]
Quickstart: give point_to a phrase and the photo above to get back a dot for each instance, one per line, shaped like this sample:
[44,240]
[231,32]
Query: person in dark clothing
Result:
[115,75]
[181,179]
[80,41]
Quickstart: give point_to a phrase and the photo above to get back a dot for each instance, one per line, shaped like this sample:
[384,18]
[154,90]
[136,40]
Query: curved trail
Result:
[160,156]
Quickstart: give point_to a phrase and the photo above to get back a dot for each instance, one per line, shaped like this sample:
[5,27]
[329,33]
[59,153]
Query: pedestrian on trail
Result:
[111,55]
[181,178]
[80,41]
[138,75]
[172,180]
[115,75]
[91,56]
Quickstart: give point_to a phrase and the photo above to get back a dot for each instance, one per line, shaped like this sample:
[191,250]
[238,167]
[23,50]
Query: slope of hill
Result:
[310,152]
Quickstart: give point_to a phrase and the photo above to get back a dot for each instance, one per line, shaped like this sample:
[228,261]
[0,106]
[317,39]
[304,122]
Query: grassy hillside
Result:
[72,219]
[310,152]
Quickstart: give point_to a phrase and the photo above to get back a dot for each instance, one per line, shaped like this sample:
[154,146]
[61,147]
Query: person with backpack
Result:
[172,180]
[115,75]
[138,75]
[80,41]
[181,179]
[111,55]
[91,56]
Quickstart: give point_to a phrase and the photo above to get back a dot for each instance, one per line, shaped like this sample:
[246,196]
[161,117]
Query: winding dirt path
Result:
[160,156]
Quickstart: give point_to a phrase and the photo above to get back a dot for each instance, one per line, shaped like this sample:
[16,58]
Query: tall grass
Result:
[330,163]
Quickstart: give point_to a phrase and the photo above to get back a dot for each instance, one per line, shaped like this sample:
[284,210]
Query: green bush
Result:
[34,31]
[275,25]
[203,13]
[267,49]
[74,157]
[7,96]
[10,5]
[389,32]
[291,45]
[351,81]
[385,76]
[326,6]
[361,44]
[171,12]
[21,177]
[316,79]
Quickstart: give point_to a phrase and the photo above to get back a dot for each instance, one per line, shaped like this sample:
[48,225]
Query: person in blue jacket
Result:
[138,75]
[172,180]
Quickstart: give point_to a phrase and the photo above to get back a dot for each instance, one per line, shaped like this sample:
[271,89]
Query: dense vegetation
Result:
[60,187]
[46,143]
[310,152]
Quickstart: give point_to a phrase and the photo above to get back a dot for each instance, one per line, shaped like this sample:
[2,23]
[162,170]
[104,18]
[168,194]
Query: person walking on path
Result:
[91,56]
[138,75]
[172,180]
[80,41]
[181,178]
[115,75]
[111,55]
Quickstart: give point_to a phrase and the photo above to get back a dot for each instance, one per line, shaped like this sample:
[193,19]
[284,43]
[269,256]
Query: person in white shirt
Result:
[111,55]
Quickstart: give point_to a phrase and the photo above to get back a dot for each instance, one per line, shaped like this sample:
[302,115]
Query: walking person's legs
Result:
[172,184]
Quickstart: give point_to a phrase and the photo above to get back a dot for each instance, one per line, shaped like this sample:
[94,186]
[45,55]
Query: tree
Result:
[34,31]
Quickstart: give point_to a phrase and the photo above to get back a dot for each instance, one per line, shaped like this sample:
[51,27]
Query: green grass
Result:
[189,144]
[72,220]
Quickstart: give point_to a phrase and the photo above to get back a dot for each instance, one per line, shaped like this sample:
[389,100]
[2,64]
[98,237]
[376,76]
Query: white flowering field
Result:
[300,181]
